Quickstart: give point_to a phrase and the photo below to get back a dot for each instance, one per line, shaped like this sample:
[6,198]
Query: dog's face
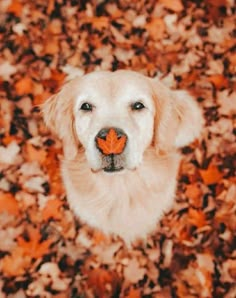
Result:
[116,116]
[122,104]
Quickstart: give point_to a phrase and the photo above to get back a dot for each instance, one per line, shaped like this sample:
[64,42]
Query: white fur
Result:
[130,202]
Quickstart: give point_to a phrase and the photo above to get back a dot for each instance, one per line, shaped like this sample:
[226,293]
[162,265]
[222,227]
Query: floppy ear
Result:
[59,118]
[178,118]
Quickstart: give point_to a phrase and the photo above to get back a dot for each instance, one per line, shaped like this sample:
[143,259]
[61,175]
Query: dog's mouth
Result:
[112,169]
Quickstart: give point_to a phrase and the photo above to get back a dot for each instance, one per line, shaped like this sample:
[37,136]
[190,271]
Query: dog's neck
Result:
[123,199]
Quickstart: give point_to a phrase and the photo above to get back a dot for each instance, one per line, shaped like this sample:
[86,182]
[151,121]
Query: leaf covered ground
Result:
[44,250]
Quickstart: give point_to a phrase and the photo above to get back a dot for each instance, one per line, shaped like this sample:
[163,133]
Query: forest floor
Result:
[44,250]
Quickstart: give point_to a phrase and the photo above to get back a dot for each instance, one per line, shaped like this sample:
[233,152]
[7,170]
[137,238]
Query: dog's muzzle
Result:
[111,142]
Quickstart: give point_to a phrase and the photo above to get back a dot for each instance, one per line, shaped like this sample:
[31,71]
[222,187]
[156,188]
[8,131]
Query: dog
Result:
[120,133]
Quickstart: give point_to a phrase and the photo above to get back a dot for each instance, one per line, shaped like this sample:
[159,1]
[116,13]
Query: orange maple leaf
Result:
[197,217]
[211,175]
[34,247]
[8,204]
[52,210]
[112,144]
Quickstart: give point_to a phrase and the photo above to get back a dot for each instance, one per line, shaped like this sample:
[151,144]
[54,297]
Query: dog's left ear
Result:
[178,119]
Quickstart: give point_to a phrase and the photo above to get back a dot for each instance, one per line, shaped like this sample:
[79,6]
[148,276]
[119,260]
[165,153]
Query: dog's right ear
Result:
[59,118]
[58,112]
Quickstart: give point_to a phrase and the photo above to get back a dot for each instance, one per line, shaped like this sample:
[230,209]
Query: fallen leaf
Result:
[196,217]
[24,86]
[16,263]
[211,175]
[34,154]
[134,293]
[112,144]
[8,204]
[52,210]
[133,272]
[174,5]
[15,8]
[156,28]
[219,81]
[34,247]
[99,279]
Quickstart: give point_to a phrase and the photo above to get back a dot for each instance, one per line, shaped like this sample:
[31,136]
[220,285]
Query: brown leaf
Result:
[8,204]
[112,144]
[99,279]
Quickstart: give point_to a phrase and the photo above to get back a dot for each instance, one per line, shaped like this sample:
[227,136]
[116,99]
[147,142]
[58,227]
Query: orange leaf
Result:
[112,144]
[219,81]
[24,86]
[196,217]
[175,5]
[34,247]
[211,175]
[33,154]
[52,210]
[8,204]
[133,293]
[15,8]
[15,264]
[156,28]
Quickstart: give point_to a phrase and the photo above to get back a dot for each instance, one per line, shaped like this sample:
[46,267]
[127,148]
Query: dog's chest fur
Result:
[127,204]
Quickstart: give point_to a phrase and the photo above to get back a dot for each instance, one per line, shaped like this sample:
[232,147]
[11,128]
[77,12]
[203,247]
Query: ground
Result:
[44,250]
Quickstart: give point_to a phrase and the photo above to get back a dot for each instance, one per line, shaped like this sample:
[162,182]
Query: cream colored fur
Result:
[130,202]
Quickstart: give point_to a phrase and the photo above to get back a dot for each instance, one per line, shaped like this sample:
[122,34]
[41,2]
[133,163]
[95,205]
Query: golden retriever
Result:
[120,133]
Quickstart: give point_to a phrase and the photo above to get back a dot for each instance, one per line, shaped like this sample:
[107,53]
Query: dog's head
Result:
[116,116]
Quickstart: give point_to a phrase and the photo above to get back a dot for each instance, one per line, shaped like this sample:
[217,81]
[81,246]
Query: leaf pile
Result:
[44,251]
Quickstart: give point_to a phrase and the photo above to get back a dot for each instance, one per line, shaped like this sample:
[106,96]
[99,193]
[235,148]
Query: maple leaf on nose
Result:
[112,144]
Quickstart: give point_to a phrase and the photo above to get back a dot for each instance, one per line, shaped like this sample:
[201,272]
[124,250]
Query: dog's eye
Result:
[136,106]
[86,107]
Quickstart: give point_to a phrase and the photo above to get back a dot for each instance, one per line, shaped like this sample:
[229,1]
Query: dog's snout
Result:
[111,140]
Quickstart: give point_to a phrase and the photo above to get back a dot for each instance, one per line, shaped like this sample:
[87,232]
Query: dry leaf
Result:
[196,218]
[52,210]
[100,279]
[156,28]
[15,8]
[175,5]
[134,293]
[34,154]
[24,86]
[133,272]
[219,81]
[8,204]
[16,263]
[34,247]
[211,175]
[112,144]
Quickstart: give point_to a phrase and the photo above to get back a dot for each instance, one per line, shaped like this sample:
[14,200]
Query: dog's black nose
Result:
[111,140]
